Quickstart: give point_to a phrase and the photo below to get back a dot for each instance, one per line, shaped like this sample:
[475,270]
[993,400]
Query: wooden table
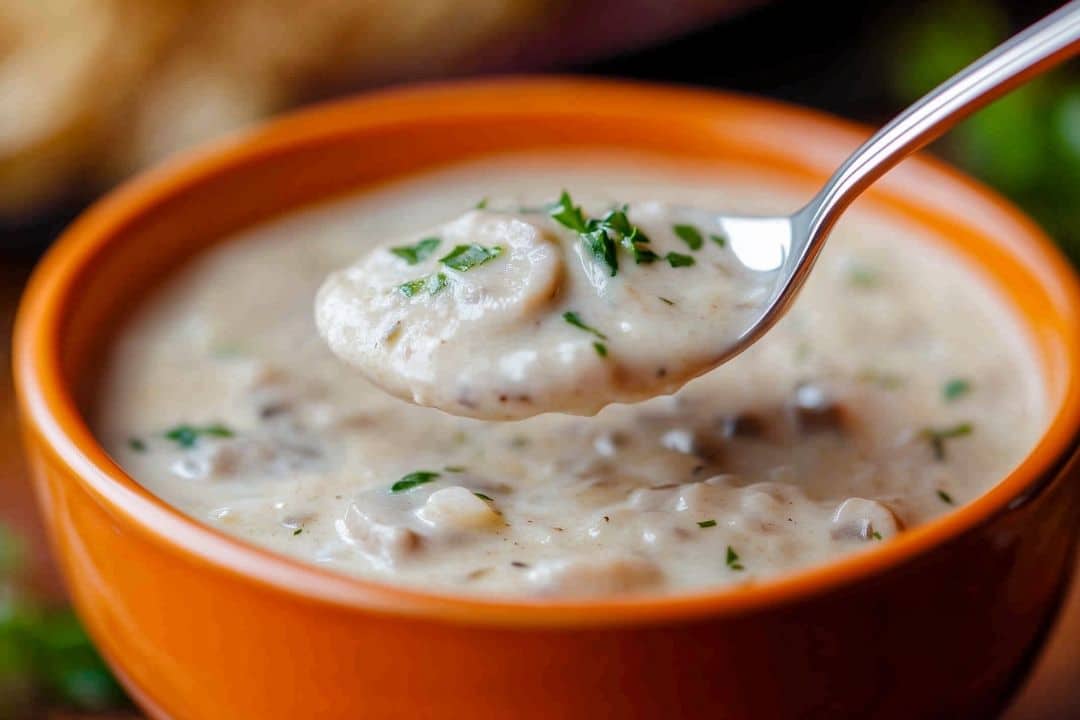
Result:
[1052,692]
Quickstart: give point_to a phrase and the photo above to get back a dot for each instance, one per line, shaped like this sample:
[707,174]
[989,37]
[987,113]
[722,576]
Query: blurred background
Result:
[92,91]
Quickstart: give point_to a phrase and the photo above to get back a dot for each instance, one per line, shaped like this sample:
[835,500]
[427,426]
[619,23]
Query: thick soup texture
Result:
[508,312]
[897,388]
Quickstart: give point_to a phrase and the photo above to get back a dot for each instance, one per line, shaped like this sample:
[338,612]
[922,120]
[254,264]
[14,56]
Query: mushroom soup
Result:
[898,387]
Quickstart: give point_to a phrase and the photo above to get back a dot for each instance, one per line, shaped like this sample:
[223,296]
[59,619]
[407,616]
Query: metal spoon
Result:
[789,245]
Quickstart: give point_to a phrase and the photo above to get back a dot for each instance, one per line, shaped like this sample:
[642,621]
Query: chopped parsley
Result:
[432,284]
[630,236]
[187,435]
[482,205]
[938,436]
[454,469]
[602,247]
[956,388]
[482,496]
[689,235]
[137,444]
[642,255]
[466,257]
[679,260]
[600,348]
[862,276]
[665,300]
[733,559]
[419,252]
[603,236]
[945,497]
[720,240]
[413,480]
[574,319]
[297,531]
[707,524]
[876,535]
[566,213]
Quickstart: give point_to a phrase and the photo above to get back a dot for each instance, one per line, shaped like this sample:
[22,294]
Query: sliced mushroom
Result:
[456,509]
[815,411]
[597,575]
[384,544]
[859,518]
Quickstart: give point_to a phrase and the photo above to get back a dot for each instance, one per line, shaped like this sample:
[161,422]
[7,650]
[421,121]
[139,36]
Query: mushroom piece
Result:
[859,518]
[385,544]
[597,575]
[743,425]
[456,508]
[815,411]
[263,455]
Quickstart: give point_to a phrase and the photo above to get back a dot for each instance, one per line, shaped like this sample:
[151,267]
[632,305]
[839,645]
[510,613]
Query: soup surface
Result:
[898,387]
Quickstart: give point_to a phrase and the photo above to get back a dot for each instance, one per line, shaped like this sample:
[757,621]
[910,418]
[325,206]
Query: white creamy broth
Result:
[898,387]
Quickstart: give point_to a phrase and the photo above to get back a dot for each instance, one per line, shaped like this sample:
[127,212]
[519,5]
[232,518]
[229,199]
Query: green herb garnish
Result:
[297,531]
[876,535]
[863,277]
[566,213]
[707,524]
[574,319]
[665,300]
[187,435]
[412,480]
[938,436]
[689,235]
[638,250]
[419,252]
[454,469]
[733,559]
[482,496]
[137,444]
[433,284]
[720,240]
[602,247]
[603,236]
[955,389]
[945,497]
[630,235]
[482,205]
[466,257]
[601,349]
[679,260]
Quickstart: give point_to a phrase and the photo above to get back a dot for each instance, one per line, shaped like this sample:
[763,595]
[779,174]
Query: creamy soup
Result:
[897,388]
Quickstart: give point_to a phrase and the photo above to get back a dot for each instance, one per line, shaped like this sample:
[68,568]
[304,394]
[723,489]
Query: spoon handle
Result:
[1048,42]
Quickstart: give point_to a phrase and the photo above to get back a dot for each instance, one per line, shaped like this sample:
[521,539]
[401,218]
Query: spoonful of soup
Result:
[508,311]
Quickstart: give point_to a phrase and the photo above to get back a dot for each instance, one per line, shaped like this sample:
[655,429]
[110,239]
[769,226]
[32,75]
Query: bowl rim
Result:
[48,410]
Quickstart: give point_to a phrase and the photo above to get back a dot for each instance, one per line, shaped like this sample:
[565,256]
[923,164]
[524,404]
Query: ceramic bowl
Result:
[941,622]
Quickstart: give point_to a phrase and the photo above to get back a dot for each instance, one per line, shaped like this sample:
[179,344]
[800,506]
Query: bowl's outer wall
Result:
[945,634]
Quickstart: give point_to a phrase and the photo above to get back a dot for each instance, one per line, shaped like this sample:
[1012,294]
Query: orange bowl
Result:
[941,622]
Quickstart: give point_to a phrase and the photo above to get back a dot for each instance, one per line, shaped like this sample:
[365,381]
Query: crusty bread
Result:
[92,89]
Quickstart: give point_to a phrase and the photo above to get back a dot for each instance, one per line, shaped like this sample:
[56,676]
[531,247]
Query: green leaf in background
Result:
[936,39]
[1009,142]
[1026,144]
[46,659]
[12,553]
[69,667]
